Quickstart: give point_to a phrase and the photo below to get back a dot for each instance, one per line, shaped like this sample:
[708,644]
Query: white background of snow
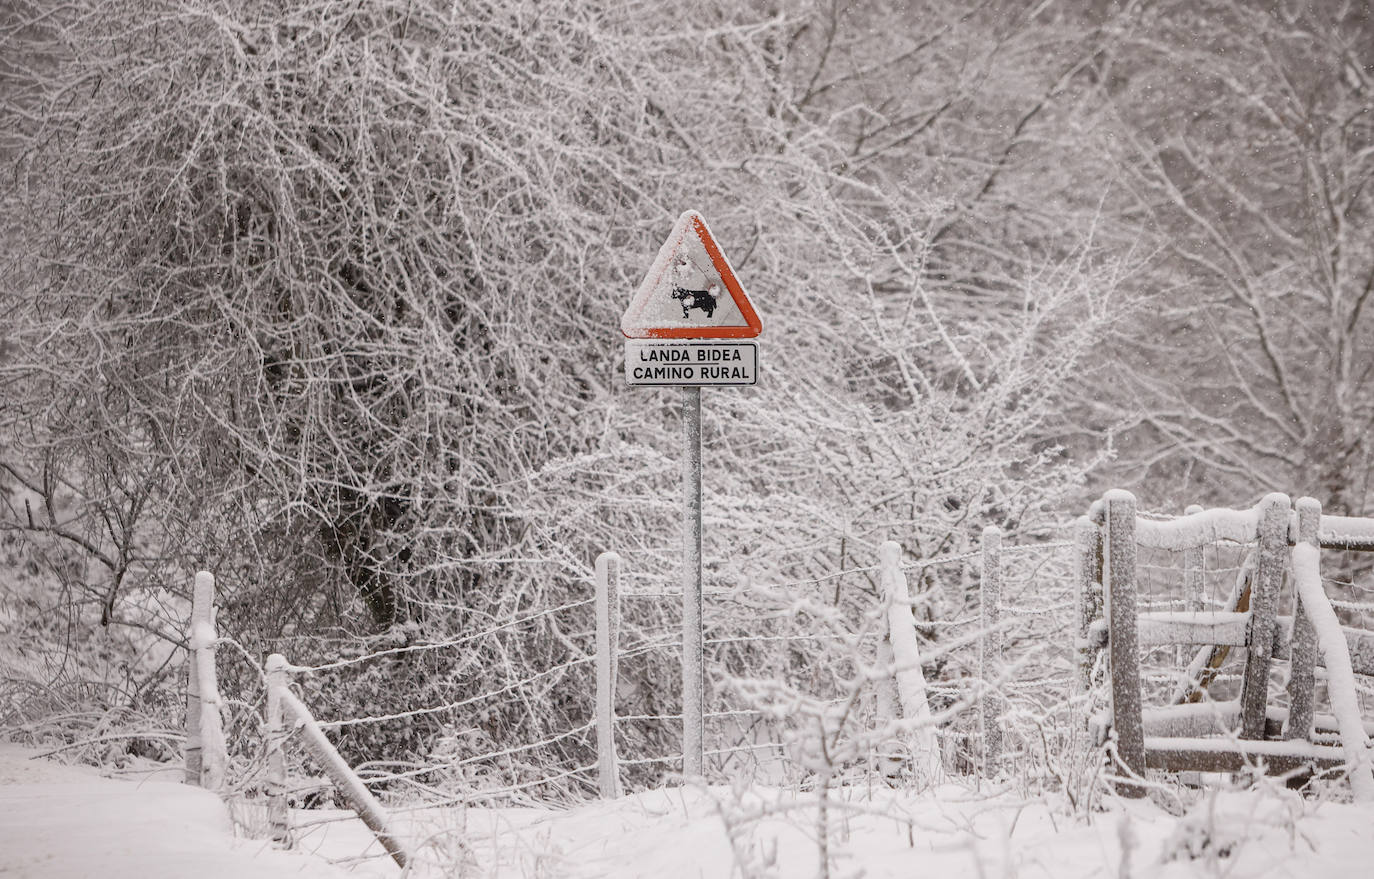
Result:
[59,821]
[65,822]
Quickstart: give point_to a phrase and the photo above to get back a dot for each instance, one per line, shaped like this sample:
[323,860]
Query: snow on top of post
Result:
[203,597]
[889,552]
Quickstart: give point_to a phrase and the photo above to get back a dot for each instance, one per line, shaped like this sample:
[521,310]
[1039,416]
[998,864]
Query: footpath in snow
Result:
[63,821]
[59,821]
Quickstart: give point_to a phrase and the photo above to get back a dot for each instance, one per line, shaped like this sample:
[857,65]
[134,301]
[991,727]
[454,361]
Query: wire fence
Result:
[506,714]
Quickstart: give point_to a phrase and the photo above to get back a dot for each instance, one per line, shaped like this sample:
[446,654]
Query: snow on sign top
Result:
[690,291]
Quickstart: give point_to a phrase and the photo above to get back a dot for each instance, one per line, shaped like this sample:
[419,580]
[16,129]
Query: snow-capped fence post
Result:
[277,816]
[1340,673]
[1123,636]
[214,751]
[1303,658]
[990,648]
[346,781]
[201,652]
[1194,583]
[1264,595]
[906,660]
[1088,536]
[607,646]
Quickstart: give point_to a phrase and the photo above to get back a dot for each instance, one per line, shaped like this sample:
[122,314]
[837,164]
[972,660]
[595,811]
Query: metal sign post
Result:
[690,325]
[693,655]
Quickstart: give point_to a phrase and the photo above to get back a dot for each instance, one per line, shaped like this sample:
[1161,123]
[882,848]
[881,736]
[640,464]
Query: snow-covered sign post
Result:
[690,325]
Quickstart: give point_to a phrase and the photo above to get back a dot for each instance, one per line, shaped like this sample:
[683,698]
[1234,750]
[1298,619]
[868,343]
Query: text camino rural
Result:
[683,364]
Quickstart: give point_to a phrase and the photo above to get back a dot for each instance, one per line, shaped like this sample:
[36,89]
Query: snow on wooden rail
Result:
[1206,527]
[1200,719]
[1226,736]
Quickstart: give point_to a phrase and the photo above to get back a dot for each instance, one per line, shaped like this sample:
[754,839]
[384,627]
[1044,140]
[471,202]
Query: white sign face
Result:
[691,363]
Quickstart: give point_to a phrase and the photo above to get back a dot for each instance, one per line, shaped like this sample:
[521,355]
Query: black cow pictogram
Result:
[690,299]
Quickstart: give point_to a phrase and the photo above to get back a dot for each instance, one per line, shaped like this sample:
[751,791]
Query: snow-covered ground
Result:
[63,821]
[58,821]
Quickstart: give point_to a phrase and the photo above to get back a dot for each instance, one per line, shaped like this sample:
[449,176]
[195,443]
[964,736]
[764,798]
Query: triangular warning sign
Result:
[690,291]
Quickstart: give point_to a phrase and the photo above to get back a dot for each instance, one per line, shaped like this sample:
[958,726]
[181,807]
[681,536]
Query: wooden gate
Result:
[1189,731]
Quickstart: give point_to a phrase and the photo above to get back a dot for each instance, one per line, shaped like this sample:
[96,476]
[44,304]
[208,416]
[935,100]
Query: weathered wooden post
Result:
[1303,660]
[990,648]
[1194,585]
[202,610]
[214,751]
[277,815]
[1088,537]
[1122,635]
[349,786]
[1340,672]
[607,647]
[1264,595]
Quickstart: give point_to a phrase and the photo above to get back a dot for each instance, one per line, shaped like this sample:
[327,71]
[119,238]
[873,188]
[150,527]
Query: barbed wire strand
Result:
[437,709]
[438,645]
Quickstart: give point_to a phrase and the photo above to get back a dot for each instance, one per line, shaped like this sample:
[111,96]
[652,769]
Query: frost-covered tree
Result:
[324,297]
[1246,146]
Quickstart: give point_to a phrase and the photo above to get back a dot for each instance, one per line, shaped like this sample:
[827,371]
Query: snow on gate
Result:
[1186,598]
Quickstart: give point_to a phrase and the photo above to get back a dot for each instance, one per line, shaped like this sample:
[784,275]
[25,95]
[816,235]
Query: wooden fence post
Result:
[990,648]
[346,782]
[607,648]
[202,609]
[906,655]
[1194,585]
[1303,659]
[277,815]
[1273,559]
[1088,537]
[214,751]
[1122,635]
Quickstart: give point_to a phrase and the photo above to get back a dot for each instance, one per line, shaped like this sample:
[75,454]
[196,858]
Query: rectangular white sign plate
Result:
[691,363]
